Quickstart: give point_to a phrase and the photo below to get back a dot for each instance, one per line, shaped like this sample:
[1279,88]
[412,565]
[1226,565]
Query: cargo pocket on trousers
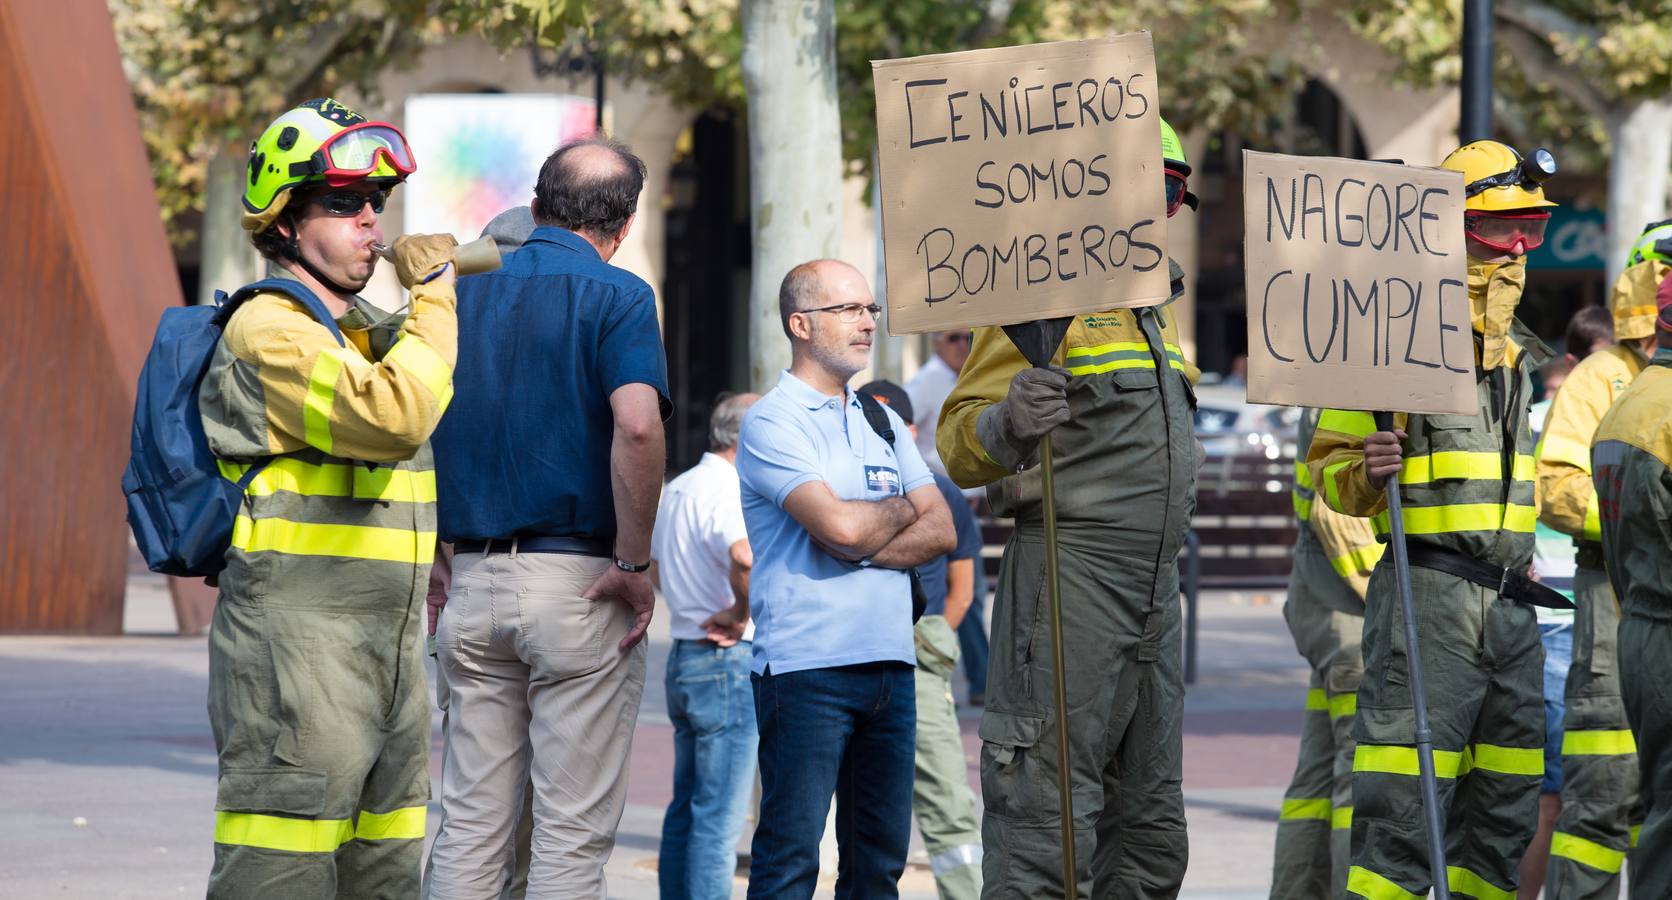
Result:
[294,689]
[272,789]
[937,646]
[1011,773]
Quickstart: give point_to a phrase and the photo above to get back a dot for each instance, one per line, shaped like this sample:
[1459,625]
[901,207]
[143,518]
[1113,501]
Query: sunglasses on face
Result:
[957,337]
[347,204]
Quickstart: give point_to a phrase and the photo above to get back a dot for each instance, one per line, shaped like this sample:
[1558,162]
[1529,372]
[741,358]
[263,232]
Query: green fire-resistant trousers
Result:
[1310,862]
[323,732]
[941,796]
[1646,686]
[1484,671]
[1120,628]
[1600,803]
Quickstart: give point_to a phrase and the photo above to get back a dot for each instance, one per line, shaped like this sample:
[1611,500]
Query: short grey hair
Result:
[800,289]
[726,422]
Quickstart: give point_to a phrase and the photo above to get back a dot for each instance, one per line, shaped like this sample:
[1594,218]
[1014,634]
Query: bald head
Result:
[590,186]
[822,282]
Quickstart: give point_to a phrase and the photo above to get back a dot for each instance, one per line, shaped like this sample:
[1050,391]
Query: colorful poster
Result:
[479,154]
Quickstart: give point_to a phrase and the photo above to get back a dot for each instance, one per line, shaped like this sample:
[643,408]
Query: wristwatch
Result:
[626,566]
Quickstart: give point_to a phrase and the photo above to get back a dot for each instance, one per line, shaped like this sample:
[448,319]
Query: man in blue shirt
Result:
[835,516]
[548,469]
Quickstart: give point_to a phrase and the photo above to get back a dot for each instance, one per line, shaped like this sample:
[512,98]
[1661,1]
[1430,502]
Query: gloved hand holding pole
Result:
[480,255]
[1036,403]
[1382,461]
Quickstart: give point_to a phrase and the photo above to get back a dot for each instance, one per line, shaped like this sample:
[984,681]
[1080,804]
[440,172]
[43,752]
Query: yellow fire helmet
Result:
[319,142]
[1496,178]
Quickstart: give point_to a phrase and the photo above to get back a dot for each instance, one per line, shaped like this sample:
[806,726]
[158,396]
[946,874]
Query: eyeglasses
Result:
[848,313]
[347,204]
[1507,231]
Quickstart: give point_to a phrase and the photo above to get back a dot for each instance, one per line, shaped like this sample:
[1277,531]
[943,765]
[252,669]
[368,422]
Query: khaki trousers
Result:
[538,691]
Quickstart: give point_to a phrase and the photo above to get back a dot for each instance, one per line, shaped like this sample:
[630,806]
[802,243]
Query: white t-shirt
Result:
[699,518]
[928,389]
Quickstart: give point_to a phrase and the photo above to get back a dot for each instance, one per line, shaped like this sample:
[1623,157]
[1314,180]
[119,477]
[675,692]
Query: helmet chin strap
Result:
[293,251]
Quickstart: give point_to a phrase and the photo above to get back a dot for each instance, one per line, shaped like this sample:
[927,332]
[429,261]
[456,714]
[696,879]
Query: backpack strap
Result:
[876,416]
[295,290]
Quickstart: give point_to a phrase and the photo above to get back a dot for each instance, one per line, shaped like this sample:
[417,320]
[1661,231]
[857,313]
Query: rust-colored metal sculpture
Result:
[85,272]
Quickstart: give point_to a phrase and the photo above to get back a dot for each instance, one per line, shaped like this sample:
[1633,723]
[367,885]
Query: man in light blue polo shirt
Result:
[835,515]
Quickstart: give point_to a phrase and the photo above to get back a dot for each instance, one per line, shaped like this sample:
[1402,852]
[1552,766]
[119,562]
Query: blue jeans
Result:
[1557,638]
[972,637]
[712,707]
[848,731]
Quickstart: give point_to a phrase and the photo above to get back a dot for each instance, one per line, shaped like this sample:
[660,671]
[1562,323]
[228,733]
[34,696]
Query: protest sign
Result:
[1021,183]
[1357,285]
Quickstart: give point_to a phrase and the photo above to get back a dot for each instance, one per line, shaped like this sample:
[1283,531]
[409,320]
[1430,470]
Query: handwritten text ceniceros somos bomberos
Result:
[936,114]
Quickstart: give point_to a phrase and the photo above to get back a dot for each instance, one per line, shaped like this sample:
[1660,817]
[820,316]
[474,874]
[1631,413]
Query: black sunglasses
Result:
[347,204]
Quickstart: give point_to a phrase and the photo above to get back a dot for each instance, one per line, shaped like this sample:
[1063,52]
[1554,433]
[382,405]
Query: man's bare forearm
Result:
[930,536]
[636,464]
[869,525]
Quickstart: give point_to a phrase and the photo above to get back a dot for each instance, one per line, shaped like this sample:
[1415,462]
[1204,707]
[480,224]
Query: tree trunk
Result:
[887,351]
[795,158]
[228,260]
[1641,135]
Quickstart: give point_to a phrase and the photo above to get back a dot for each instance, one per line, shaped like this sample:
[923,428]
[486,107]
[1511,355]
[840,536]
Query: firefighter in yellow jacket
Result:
[1632,455]
[1334,556]
[316,674]
[1117,403]
[1466,484]
[1600,804]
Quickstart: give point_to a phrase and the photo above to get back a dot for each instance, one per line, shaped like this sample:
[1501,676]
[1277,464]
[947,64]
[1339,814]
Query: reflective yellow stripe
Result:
[1633,312]
[1359,559]
[1635,829]
[1555,448]
[352,541]
[1370,886]
[1343,705]
[294,476]
[1303,507]
[322,395]
[1464,517]
[231,471]
[1387,760]
[1348,422]
[1332,490]
[1100,349]
[414,355]
[1303,475]
[1598,743]
[1590,853]
[405,824]
[1317,700]
[1504,760]
[1463,881]
[1488,466]
[1592,531]
[1113,365]
[280,833]
[1342,817]
[1308,809]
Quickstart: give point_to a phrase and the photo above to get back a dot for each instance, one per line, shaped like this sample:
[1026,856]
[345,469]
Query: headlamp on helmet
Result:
[1530,171]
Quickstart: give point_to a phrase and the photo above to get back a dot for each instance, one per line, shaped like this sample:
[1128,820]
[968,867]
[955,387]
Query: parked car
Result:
[1228,425]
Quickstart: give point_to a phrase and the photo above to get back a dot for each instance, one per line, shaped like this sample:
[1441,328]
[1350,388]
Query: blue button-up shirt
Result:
[543,342]
[812,610]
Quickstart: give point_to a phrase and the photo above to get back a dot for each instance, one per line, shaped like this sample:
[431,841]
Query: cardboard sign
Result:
[1021,183]
[1357,285]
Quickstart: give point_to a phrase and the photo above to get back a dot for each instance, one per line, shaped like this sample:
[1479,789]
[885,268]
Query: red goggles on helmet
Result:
[1507,231]
[1177,194]
[353,153]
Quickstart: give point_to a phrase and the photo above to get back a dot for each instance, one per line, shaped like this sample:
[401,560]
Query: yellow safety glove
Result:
[419,256]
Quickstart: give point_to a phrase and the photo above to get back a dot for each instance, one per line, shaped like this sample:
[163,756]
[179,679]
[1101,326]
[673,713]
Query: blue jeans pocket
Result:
[706,699]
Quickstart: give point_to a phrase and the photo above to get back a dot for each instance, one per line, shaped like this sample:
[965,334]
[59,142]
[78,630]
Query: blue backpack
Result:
[180,507]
